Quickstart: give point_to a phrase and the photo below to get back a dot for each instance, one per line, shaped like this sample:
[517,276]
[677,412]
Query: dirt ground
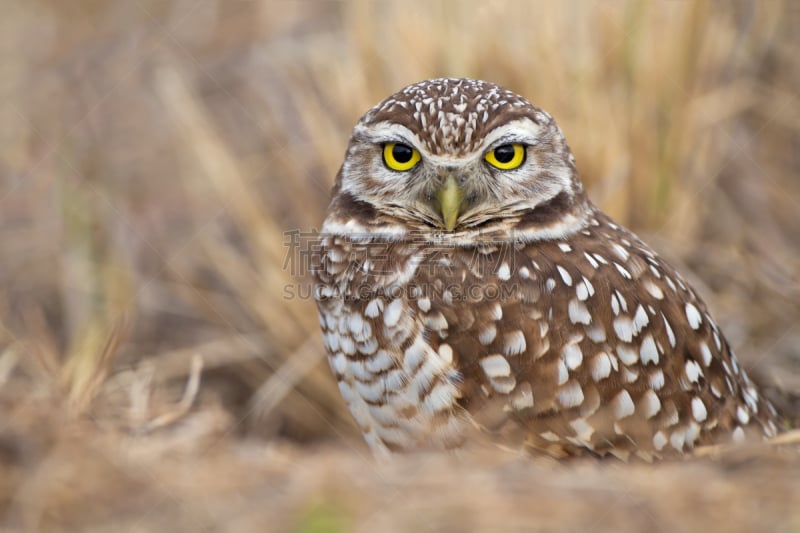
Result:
[161,366]
[193,476]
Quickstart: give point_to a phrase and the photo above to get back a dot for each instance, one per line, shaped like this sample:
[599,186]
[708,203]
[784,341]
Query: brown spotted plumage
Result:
[474,285]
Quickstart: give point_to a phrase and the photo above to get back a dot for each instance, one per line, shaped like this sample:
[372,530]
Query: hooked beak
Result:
[450,195]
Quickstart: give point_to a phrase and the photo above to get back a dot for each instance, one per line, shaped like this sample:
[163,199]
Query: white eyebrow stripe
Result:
[523,131]
[383,132]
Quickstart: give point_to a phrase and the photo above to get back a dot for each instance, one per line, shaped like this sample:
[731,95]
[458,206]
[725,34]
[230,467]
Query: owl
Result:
[468,289]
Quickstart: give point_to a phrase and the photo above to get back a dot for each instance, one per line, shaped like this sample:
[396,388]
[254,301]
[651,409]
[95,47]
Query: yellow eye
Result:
[506,157]
[400,157]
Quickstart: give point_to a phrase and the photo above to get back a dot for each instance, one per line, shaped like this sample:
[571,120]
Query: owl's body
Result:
[467,283]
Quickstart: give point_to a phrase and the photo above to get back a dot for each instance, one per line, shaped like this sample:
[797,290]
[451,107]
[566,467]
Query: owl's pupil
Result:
[504,154]
[402,153]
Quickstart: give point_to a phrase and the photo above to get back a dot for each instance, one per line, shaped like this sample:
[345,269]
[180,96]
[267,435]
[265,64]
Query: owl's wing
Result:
[593,344]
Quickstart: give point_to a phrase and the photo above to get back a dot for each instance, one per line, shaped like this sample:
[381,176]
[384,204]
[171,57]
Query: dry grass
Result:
[153,371]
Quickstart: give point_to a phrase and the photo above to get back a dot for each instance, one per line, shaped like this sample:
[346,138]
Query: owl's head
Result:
[457,156]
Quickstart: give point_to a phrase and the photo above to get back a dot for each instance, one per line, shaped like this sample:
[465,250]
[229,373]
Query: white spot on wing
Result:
[659,440]
[691,433]
[648,351]
[446,353]
[650,405]
[629,375]
[523,396]
[742,415]
[503,272]
[563,373]
[623,271]
[601,366]
[584,289]
[564,275]
[699,409]
[424,304]
[496,366]
[447,296]
[653,289]
[571,395]
[621,252]
[705,353]
[654,270]
[596,333]
[573,356]
[623,303]
[693,371]
[487,334]
[670,334]
[693,316]
[622,405]
[627,355]
[657,379]
[582,429]
[578,313]
[751,398]
[374,308]
[550,436]
[614,305]
[391,314]
[677,439]
[623,327]
[640,320]
[514,343]
[436,321]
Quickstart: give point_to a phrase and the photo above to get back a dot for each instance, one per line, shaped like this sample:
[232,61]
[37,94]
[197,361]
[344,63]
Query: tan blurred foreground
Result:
[160,362]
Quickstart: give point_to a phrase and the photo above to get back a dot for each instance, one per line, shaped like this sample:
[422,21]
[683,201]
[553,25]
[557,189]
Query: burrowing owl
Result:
[466,281]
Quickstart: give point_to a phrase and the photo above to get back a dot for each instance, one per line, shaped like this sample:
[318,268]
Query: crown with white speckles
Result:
[452,115]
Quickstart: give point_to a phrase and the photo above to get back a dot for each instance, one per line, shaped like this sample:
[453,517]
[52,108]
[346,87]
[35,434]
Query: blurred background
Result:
[154,155]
